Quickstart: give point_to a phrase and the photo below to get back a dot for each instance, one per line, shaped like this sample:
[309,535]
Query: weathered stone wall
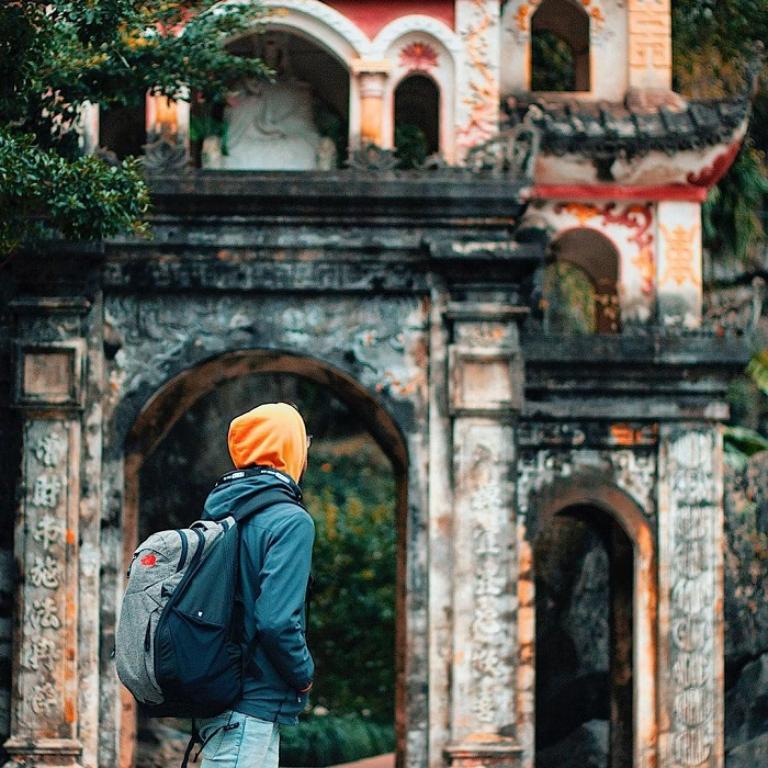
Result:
[746,613]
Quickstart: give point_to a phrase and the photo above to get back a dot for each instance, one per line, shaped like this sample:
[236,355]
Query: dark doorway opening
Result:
[584,642]
[417,119]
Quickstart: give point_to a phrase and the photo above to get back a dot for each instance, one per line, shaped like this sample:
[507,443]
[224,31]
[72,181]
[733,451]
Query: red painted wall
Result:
[372,15]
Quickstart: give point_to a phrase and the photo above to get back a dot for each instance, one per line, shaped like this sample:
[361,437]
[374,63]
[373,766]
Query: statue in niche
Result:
[270,126]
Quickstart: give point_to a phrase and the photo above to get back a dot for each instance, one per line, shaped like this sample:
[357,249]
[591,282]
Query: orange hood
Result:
[272,435]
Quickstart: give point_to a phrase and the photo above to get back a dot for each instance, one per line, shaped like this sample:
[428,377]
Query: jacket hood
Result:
[272,435]
[238,494]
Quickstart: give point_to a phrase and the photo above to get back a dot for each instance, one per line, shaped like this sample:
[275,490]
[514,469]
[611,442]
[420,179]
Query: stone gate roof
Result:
[599,128]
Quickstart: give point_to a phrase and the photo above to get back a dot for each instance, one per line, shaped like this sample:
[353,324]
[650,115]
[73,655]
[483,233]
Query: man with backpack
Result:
[268,446]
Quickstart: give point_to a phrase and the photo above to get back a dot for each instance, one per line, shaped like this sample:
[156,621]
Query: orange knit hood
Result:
[272,435]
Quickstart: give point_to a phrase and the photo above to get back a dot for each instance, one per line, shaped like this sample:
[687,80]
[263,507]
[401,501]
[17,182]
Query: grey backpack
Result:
[176,648]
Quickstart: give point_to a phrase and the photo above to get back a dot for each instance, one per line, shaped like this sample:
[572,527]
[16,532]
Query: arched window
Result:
[581,284]
[560,47]
[417,119]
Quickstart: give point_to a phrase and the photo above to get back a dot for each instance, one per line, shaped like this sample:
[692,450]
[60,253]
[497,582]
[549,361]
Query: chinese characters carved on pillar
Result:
[691,536]
[44,711]
[485,391]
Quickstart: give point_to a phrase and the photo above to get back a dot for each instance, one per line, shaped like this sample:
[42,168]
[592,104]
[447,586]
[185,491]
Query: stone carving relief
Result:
[634,471]
[477,25]
[165,335]
[650,42]
[691,537]
[489,586]
[270,125]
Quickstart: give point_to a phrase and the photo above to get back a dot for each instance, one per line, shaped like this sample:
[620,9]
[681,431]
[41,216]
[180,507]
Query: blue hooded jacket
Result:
[275,561]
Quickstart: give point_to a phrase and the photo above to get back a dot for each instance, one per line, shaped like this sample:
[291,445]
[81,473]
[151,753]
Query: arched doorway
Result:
[357,436]
[583,641]
[417,119]
[596,592]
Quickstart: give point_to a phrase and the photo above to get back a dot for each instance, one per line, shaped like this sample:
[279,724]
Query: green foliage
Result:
[570,300]
[741,443]
[55,57]
[731,214]
[747,398]
[714,42]
[352,616]
[321,741]
[84,198]
[758,370]
[411,144]
[553,68]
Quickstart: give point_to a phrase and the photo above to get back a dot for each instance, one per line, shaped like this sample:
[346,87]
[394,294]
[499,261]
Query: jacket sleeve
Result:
[279,608]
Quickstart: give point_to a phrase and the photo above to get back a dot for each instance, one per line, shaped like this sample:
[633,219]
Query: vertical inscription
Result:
[650,43]
[41,704]
[693,512]
[485,599]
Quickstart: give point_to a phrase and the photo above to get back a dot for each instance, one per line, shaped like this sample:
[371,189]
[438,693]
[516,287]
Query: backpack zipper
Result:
[184,550]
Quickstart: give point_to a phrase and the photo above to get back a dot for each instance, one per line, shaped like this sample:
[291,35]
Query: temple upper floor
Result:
[435,79]
[558,108]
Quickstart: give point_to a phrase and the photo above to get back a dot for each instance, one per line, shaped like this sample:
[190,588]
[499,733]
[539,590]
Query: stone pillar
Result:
[679,264]
[690,597]
[88,127]
[372,79]
[477,80]
[486,389]
[650,44]
[49,388]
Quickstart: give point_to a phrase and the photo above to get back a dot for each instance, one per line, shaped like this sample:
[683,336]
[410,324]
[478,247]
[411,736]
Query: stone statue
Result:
[270,125]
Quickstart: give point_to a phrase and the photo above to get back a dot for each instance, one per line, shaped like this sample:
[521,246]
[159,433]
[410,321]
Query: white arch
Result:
[419,23]
[417,28]
[319,22]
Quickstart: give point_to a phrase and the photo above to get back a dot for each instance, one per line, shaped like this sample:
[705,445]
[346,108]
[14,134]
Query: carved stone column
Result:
[372,79]
[486,378]
[50,389]
[477,79]
[690,597]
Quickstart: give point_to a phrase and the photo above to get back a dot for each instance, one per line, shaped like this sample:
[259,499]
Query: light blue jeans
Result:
[235,740]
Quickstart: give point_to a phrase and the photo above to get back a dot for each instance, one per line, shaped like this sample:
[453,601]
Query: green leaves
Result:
[731,217]
[43,194]
[352,619]
[713,41]
[54,57]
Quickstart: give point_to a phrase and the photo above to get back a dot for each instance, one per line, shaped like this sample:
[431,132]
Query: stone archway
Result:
[594,498]
[174,398]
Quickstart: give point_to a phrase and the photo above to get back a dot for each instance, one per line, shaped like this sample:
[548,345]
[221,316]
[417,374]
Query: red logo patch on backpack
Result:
[148,560]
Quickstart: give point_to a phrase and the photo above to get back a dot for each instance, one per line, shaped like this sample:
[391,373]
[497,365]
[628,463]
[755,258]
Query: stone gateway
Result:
[419,298]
